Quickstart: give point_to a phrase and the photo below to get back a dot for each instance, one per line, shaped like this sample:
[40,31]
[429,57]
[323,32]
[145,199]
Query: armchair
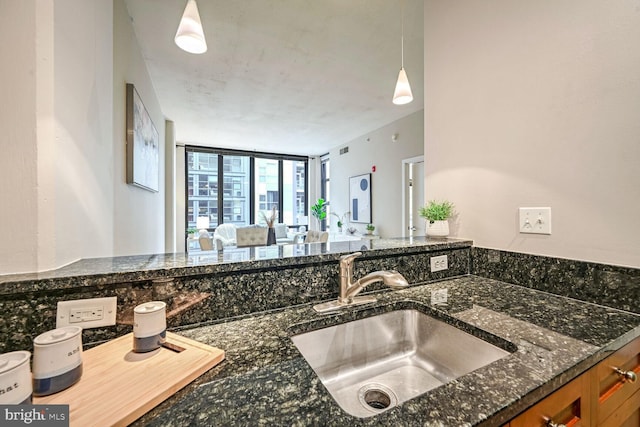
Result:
[225,234]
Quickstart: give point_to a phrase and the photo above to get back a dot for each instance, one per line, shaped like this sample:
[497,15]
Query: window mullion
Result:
[280,191]
[220,189]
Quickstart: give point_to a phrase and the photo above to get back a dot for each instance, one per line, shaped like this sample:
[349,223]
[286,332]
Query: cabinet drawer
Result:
[569,405]
[613,389]
[626,415]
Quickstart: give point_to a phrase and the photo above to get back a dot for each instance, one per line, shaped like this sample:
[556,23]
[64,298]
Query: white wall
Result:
[377,148]
[83,157]
[138,214]
[170,211]
[18,213]
[57,124]
[536,104]
[62,172]
[180,154]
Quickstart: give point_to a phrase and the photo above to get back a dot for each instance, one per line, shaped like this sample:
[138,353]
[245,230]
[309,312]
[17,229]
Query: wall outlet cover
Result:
[87,313]
[439,263]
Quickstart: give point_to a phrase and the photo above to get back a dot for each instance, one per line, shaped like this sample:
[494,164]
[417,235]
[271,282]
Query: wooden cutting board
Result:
[118,386]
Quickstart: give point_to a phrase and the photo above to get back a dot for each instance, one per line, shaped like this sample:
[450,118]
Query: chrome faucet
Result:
[349,289]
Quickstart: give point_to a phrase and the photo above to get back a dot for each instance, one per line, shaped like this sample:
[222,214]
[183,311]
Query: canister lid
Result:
[150,307]
[9,361]
[57,335]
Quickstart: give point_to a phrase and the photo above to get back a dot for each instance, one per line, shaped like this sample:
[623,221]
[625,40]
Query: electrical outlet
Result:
[535,220]
[87,313]
[77,315]
[439,263]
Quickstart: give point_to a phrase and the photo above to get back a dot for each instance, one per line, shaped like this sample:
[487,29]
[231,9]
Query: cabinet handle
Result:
[626,375]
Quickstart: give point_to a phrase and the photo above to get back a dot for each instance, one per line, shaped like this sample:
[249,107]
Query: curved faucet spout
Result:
[349,289]
[391,278]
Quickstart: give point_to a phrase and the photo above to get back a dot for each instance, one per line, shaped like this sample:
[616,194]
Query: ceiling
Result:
[285,76]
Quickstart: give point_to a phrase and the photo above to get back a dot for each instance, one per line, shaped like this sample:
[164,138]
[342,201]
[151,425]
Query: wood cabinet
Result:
[569,405]
[605,396]
[615,397]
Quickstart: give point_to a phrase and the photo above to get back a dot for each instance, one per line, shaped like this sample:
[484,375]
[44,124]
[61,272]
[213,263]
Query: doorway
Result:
[412,196]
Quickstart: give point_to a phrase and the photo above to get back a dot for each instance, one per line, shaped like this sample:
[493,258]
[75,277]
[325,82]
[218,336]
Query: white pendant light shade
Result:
[402,94]
[190,36]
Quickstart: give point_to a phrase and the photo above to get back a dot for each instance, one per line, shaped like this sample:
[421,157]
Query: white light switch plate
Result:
[87,313]
[535,220]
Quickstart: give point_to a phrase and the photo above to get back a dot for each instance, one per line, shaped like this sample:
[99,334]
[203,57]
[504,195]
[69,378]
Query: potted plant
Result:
[192,233]
[370,228]
[437,214]
[319,211]
[340,222]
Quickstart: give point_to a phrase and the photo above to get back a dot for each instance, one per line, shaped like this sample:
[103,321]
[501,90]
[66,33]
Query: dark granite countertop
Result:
[101,271]
[265,381]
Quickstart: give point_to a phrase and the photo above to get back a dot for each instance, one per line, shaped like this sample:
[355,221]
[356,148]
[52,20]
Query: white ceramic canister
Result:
[149,326]
[57,360]
[15,378]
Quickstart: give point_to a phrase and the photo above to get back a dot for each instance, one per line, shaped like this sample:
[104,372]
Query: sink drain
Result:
[377,397]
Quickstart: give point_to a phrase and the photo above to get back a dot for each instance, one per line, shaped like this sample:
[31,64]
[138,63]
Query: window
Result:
[202,187]
[266,187]
[294,191]
[235,186]
[236,192]
[324,185]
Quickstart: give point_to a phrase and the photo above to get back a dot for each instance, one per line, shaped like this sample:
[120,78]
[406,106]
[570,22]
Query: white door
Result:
[413,196]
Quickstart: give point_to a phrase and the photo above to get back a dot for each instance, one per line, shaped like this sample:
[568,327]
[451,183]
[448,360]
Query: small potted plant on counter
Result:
[437,215]
[192,233]
[340,222]
[370,228]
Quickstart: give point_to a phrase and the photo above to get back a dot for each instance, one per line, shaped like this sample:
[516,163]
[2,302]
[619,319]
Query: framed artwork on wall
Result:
[360,198]
[143,144]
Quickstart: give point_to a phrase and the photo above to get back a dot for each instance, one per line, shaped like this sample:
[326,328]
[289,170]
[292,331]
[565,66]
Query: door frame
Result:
[405,162]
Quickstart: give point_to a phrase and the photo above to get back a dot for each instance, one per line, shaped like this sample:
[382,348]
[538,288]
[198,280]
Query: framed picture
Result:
[360,198]
[143,144]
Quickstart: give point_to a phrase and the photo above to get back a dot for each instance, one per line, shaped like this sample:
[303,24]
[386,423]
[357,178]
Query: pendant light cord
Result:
[402,36]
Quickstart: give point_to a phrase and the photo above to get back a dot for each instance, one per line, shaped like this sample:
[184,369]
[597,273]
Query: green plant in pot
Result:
[370,228]
[319,211]
[437,213]
[192,232]
[340,222]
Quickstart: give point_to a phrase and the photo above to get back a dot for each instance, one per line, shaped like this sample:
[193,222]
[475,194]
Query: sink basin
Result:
[371,365]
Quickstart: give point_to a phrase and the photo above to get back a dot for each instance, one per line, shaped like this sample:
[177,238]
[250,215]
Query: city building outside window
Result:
[250,184]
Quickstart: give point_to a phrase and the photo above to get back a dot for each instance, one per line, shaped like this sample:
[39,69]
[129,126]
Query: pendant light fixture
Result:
[402,94]
[190,36]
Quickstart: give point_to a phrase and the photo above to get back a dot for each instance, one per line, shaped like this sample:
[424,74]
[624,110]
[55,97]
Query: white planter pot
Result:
[438,229]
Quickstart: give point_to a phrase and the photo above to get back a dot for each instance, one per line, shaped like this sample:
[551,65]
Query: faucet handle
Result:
[349,258]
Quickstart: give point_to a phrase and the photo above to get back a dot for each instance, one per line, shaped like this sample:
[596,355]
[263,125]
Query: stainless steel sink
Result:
[371,365]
